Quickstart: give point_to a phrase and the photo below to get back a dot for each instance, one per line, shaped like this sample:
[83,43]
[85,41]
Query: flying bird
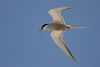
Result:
[58,28]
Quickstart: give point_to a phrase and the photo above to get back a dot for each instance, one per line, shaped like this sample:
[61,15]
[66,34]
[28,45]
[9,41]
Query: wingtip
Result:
[60,9]
[65,8]
[74,60]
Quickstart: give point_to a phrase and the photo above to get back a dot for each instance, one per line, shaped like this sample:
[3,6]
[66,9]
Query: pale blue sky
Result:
[21,45]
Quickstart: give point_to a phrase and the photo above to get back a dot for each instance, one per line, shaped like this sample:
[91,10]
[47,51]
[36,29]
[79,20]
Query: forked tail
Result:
[77,27]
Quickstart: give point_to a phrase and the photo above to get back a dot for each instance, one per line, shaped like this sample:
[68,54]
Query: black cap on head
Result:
[43,26]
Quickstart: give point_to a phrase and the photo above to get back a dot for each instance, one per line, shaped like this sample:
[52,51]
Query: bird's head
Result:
[44,27]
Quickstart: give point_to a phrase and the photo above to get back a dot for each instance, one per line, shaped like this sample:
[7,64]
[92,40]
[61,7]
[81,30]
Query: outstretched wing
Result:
[55,13]
[57,37]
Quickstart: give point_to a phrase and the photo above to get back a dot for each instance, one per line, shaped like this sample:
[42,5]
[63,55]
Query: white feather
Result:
[57,37]
[55,13]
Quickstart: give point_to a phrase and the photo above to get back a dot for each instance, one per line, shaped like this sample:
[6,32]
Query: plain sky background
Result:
[21,45]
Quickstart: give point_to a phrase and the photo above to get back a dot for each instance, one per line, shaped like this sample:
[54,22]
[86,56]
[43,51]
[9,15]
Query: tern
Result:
[58,28]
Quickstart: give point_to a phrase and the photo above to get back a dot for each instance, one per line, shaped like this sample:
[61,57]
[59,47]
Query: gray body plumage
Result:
[58,28]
